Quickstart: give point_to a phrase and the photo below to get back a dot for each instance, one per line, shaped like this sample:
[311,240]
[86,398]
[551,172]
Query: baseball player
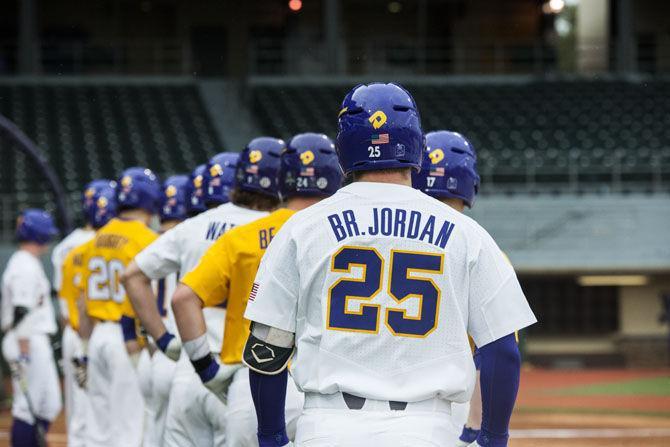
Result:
[27,321]
[154,369]
[372,293]
[116,405]
[194,416]
[309,172]
[99,206]
[449,173]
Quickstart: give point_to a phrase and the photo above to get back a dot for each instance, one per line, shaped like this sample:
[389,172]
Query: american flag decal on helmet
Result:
[254,290]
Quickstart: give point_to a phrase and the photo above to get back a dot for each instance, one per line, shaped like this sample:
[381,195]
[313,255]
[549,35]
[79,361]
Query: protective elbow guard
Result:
[265,358]
[20,313]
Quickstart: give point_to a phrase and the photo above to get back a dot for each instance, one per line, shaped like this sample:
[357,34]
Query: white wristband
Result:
[197,348]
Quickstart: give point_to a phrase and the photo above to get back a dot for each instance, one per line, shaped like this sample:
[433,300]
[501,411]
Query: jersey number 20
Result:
[403,284]
[104,283]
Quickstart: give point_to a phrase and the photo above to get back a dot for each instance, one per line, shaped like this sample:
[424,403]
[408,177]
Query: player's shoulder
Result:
[121,233]
[323,207]
[76,255]
[76,237]
[251,228]
[22,263]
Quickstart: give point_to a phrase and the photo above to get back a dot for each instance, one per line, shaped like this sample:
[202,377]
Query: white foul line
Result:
[540,433]
[578,433]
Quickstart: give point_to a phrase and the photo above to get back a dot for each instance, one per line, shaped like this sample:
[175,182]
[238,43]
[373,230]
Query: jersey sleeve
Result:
[273,300]
[497,305]
[23,289]
[57,262]
[161,257]
[210,279]
[67,290]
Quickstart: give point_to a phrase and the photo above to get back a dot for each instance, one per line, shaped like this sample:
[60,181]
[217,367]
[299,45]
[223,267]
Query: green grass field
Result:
[656,386]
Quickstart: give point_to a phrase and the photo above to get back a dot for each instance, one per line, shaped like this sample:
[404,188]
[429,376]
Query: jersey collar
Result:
[385,192]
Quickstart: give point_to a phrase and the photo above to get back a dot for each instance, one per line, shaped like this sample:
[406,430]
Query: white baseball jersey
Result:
[381,285]
[24,284]
[77,237]
[179,249]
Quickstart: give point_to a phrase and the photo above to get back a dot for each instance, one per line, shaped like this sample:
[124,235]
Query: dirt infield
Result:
[559,409]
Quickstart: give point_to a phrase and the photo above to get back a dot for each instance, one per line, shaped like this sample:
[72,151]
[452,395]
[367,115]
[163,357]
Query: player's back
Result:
[194,236]
[77,237]
[244,247]
[105,260]
[180,249]
[386,294]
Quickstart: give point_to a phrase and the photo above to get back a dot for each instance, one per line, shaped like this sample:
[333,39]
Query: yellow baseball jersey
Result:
[226,273]
[104,261]
[71,282]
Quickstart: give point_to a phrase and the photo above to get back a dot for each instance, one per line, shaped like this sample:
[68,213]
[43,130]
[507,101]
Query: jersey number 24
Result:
[403,284]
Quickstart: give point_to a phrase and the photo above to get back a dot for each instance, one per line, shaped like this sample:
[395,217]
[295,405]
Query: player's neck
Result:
[300,203]
[456,204]
[136,214]
[168,224]
[33,248]
[399,178]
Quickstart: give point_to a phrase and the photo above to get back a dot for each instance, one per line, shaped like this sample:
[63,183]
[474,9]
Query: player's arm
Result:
[155,261]
[138,287]
[24,298]
[497,308]
[206,285]
[270,345]
[499,380]
[85,321]
[267,353]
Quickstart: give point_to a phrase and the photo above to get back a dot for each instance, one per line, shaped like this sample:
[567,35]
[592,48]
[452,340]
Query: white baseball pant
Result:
[41,376]
[426,424]
[76,399]
[195,417]
[116,416]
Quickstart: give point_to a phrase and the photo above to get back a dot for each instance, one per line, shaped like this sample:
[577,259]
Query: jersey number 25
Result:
[402,285]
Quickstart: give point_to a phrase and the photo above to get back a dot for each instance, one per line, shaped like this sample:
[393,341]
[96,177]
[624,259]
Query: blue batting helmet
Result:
[449,168]
[35,225]
[379,128]
[139,188]
[176,197]
[258,166]
[198,188]
[99,202]
[220,175]
[309,166]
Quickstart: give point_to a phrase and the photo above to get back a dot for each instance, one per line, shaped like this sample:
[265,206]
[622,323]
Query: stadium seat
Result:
[563,136]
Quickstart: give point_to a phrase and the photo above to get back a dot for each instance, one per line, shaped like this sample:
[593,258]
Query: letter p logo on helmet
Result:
[377,119]
[255,156]
[436,156]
